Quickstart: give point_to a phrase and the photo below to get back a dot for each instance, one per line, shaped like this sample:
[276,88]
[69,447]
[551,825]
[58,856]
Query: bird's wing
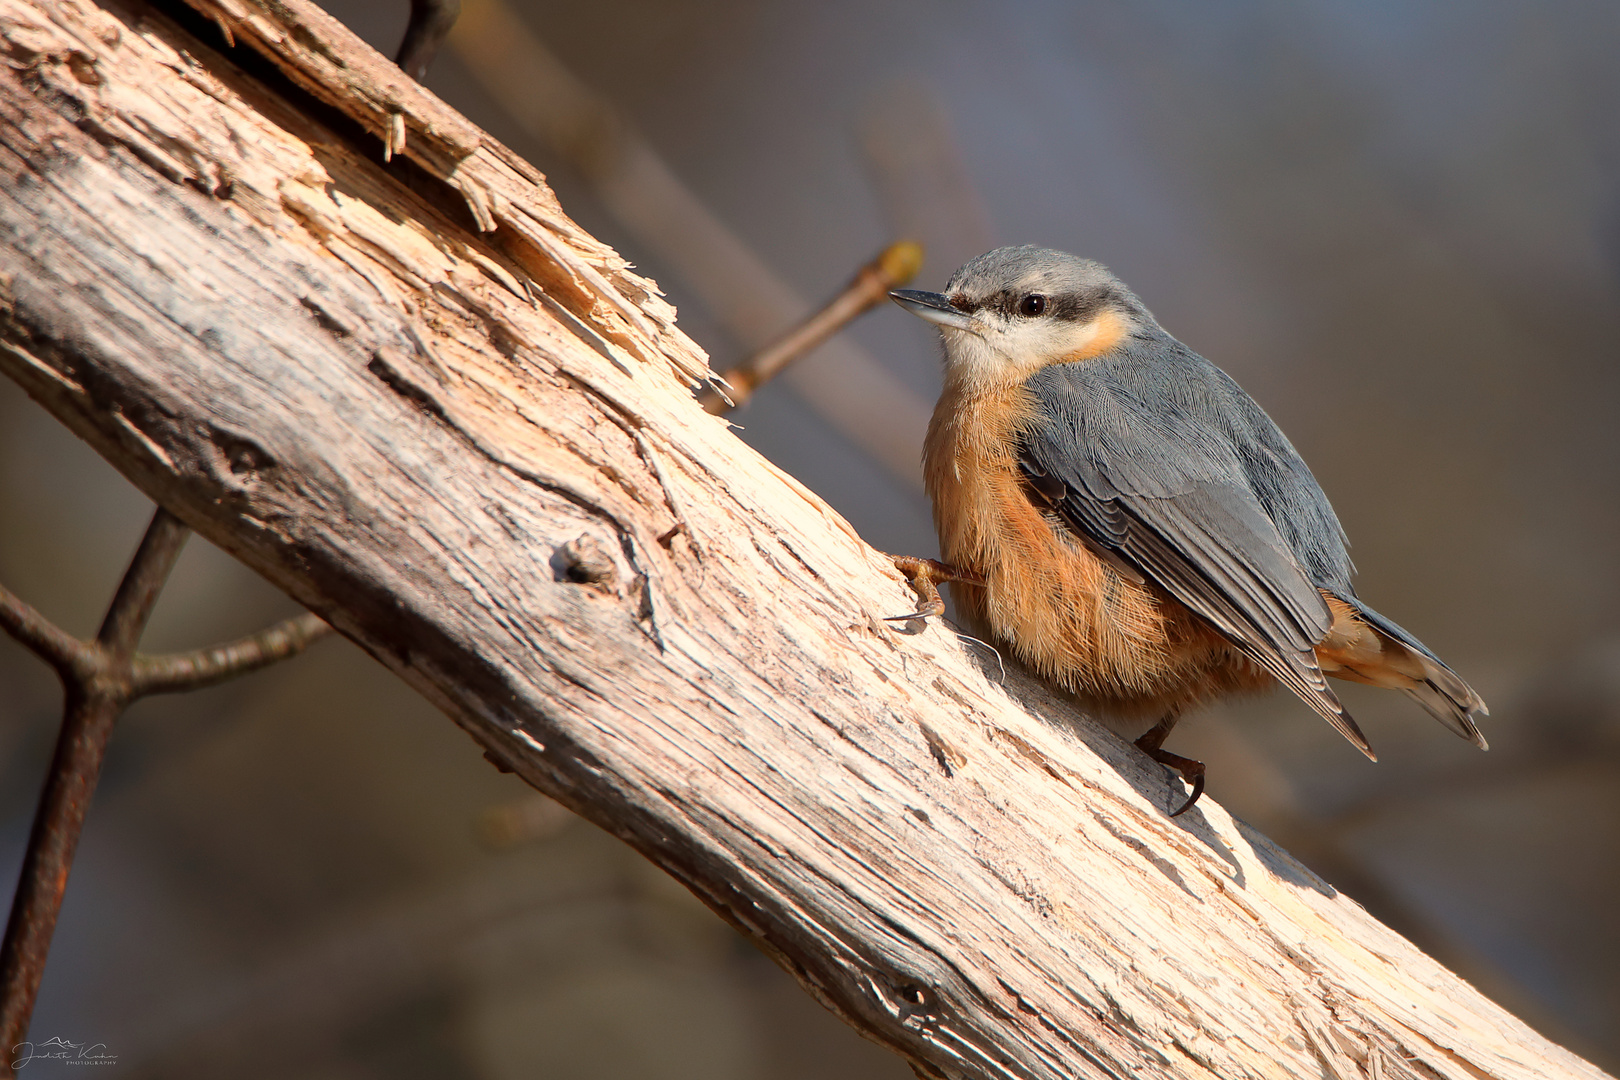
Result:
[1167,496]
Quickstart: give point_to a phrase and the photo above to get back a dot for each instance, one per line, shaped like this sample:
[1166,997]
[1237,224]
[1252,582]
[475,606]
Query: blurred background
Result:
[1397,225]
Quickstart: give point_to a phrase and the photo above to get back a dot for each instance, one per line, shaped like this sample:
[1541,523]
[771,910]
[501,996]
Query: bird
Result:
[1118,513]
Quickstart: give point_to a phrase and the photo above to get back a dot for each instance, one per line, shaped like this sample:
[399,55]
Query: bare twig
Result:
[137,594]
[430,24]
[896,266]
[96,679]
[205,667]
[36,633]
[80,749]
[100,678]
[846,386]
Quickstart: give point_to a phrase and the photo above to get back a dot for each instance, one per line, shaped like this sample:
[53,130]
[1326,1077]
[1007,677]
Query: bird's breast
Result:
[1064,611]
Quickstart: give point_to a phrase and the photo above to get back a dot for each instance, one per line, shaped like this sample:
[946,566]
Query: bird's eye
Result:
[1032,305]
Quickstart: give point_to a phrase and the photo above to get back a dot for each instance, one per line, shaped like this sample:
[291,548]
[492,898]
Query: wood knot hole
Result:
[83,66]
[916,1002]
[245,458]
[584,561]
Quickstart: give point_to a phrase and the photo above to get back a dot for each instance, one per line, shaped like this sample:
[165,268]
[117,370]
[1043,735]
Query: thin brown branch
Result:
[38,634]
[97,685]
[138,592]
[430,24]
[100,679]
[894,267]
[80,749]
[847,387]
[79,661]
[193,670]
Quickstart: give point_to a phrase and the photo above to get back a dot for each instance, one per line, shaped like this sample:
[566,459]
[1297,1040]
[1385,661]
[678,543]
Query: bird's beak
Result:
[936,308]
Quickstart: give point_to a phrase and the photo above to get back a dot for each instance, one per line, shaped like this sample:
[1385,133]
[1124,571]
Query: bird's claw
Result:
[1198,789]
[925,612]
[924,574]
[1191,770]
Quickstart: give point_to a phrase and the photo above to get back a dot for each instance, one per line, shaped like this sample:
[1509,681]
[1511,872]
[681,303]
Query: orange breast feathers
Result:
[1063,611]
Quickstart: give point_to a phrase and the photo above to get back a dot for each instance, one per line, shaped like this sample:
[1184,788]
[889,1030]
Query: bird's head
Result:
[1015,310]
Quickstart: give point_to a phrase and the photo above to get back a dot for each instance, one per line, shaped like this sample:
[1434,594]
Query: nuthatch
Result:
[1117,511]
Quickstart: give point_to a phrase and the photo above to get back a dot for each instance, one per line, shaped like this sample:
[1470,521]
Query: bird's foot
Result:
[1152,744]
[924,576]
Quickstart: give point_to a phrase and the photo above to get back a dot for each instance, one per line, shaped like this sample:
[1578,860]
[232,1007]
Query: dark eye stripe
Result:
[1081,306]
[1078,306]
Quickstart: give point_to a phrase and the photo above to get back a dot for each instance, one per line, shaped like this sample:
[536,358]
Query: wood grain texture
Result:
[326,369]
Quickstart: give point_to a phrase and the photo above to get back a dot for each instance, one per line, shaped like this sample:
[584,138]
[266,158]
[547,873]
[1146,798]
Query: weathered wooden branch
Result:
[443,418]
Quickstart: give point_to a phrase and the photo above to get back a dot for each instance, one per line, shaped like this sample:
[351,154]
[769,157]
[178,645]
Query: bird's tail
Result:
[1363,646]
